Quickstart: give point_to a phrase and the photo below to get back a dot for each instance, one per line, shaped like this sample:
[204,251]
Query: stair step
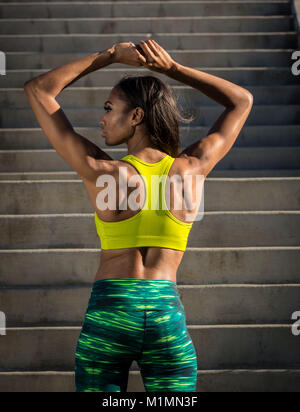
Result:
[203,115]
[239,380]
[181,41]
[48,160]
[221,346]
[244,76]
[98,25]
[218,229]
[65,267]
[205,305]
[59,196]
[250,136]
[91,96]
[144,8]
[239,279]
[134,1]
[190,58]
[213,174]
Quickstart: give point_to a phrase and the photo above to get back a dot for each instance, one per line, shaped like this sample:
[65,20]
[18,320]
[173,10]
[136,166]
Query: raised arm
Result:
[76,150]
[207,152]
[41,91]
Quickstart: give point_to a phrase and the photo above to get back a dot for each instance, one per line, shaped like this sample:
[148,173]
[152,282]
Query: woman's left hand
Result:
[126,53]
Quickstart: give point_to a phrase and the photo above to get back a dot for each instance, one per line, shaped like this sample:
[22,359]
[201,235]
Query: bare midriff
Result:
[142,263]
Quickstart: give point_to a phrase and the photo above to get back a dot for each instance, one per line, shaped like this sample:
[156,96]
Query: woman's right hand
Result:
[154,57]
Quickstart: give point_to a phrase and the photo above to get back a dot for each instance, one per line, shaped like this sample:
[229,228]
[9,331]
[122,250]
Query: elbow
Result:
[28,86]
[31,85]
[244,100]
[247,100]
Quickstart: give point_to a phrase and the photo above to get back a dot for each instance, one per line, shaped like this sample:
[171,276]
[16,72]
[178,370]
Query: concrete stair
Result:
[239,279]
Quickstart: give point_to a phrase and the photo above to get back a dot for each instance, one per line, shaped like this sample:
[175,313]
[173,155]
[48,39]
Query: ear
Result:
[139,115]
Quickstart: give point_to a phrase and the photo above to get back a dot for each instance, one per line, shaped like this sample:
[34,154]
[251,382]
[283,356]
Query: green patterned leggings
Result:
[140,320]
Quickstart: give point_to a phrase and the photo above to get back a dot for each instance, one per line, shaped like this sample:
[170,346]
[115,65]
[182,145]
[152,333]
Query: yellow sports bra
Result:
[150,226]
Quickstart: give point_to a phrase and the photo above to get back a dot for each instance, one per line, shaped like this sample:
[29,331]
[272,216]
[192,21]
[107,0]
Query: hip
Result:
[135,294]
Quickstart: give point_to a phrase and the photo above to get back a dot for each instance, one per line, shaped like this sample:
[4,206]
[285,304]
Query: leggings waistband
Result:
[135,294]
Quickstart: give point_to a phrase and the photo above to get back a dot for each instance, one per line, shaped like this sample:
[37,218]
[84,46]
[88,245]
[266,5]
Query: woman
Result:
[135,311]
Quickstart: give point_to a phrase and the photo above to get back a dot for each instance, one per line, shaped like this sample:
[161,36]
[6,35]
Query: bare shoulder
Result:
[182,164]
[189,164]
[99,168]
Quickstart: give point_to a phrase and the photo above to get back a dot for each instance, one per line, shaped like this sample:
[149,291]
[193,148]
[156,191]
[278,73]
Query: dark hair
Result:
[160,106]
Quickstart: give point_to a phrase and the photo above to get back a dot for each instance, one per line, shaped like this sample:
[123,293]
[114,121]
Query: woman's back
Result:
[143,261]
